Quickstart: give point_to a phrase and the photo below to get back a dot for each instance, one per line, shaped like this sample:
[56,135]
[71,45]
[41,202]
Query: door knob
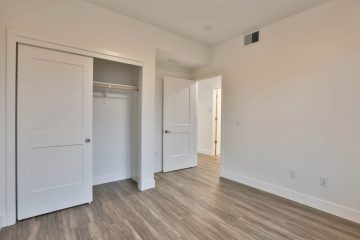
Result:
[87,140]
[167,131]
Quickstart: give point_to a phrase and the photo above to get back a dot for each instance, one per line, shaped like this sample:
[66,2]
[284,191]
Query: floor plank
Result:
[189,204]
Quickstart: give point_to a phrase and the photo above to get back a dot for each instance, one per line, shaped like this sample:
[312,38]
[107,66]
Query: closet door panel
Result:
[54,117]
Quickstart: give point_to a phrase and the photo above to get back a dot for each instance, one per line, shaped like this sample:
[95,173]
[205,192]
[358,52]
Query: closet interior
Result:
[115,121]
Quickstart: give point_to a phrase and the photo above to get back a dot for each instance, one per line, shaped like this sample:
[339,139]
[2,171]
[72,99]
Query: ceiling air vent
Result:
[252,38]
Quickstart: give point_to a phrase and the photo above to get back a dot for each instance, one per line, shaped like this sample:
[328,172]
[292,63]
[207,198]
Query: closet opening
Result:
[53,97]
[115,121]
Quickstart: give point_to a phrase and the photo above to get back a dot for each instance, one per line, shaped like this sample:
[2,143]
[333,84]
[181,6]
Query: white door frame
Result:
[13,38]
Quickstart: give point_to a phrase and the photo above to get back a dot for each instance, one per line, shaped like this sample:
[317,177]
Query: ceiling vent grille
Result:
[252,38]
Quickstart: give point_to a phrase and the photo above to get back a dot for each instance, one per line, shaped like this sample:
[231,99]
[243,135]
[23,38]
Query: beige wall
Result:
[292,102]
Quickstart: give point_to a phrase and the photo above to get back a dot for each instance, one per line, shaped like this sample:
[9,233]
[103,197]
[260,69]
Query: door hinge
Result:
[215,141]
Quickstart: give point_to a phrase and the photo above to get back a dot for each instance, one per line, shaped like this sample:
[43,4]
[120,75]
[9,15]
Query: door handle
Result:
[87,140]
[167,131]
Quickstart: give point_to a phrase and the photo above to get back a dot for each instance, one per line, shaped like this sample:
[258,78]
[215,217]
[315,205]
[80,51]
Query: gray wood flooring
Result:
[189,204]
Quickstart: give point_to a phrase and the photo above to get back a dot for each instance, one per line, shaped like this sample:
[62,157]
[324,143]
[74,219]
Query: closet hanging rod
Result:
[115,86]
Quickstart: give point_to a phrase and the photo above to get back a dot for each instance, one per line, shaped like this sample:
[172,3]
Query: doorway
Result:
[209,116]
[191,121]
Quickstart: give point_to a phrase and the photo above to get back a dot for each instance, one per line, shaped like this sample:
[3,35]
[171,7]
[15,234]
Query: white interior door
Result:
[54,122]
[179,125]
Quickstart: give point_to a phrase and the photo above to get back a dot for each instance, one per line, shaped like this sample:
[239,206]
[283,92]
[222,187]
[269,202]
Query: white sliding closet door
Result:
[54,122]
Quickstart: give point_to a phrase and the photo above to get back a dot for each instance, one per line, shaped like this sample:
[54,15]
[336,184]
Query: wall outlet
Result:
[292,174]
[323,182]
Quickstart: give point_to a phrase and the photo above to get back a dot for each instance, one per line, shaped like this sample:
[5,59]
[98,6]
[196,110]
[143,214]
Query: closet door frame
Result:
[15,37]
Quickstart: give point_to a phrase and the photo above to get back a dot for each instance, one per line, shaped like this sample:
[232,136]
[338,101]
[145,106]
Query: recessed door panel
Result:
[179,106]
[48,173]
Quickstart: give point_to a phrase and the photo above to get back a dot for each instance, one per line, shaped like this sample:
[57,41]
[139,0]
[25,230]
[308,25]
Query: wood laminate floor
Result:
[187,204]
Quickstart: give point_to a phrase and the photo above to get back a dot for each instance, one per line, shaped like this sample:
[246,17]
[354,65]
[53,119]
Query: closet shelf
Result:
[115,86]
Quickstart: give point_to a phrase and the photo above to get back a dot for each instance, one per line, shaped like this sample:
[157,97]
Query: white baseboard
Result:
[158,168]
[205,151]
[147,184]
[112,177]
[4,223]
[135,179]
[320,204]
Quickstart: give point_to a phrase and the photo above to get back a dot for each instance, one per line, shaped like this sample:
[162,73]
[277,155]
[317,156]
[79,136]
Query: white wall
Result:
[163,70]
[206,114]
[92,27]
[115,72]
[292,101]
[113,121]
[2,114]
